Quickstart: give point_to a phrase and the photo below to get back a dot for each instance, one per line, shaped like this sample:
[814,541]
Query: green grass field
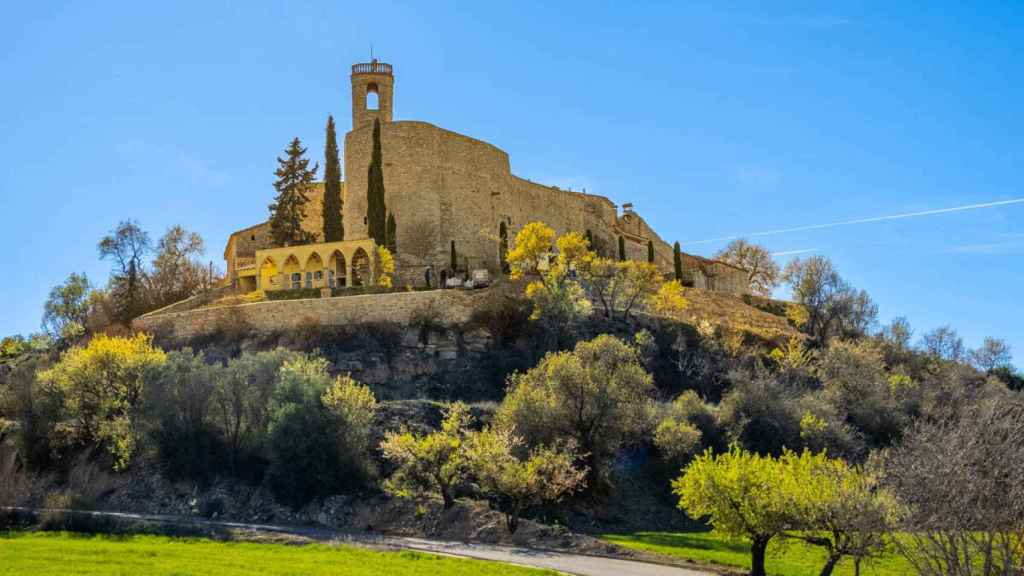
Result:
[66,554]
[788,559]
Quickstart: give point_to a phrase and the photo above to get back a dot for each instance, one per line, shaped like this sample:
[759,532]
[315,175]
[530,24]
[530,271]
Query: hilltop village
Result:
[452,205]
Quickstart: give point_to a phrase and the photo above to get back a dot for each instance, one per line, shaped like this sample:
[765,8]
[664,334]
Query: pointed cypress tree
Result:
[650,251]
[376,211]
[454,258]
[333,228]
[289,207]
[590,239]
[677,260]
[392,239]
[622,249]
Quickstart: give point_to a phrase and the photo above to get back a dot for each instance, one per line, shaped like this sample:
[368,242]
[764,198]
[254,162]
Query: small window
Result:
[330,278]
[364,220]
[296,280]
[309,279]
[318,275]
[253,237]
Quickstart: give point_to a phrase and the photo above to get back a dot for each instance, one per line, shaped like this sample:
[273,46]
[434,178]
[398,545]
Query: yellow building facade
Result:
[345,264]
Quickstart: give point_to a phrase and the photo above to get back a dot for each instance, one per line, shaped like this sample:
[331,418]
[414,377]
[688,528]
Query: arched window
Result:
[372,98]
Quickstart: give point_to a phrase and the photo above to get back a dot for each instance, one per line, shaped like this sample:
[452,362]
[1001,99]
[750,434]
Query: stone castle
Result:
[449,194]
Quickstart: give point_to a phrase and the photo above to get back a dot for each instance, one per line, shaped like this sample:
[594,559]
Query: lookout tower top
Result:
[372,93]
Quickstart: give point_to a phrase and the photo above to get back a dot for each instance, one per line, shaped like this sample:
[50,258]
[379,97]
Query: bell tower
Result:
[372,93]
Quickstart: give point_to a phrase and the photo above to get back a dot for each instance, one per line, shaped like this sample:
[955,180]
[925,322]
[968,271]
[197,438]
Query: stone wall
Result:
[443,188]
[448,306]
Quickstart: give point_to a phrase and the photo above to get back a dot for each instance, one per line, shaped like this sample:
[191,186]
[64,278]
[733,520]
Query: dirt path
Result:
[550,559]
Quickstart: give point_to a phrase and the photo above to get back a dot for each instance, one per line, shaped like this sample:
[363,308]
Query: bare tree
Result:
[126,245]
[959,479]
[994,353]
[943,343]
[762,271]
[176,272]
[834,308]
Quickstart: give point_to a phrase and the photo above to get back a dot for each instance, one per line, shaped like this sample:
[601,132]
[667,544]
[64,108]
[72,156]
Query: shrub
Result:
[102,388]
[597,395]
[855,383]
[180,400]
[430,464]
[242,408]
[309,456]
[517,479]
[293,294]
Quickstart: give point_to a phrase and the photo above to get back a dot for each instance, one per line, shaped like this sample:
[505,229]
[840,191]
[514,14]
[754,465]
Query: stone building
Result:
[448,193]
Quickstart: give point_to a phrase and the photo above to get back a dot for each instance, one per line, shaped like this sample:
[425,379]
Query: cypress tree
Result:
[289,207]
[376,211]
[455,257]
[503,247]
[334,230]
[392,238]
[622,249]
[590,239]
[677,260]
[650,251]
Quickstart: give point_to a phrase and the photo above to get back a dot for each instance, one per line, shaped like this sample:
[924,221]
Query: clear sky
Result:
[714,119]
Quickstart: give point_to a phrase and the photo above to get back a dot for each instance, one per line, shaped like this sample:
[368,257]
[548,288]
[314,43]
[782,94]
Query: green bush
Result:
[293,294]
[310,456]
[180,401]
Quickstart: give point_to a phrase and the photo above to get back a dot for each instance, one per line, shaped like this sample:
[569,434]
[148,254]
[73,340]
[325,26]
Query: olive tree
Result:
[429,464]
[597,395]
[517,478]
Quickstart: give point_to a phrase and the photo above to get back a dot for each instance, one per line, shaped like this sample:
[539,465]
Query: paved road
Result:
[561,561]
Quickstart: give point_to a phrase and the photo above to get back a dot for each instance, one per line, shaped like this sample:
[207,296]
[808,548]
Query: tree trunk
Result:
[830,565]
[757,553]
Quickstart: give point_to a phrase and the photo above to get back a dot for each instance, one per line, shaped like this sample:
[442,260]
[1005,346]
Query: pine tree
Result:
[677,260]
[392,237]
[289,207]
[376,211]
[334,230]
[622,249]
[650,251]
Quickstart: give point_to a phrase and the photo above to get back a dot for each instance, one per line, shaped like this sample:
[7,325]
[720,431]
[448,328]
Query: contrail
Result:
[794,252]
[863,221]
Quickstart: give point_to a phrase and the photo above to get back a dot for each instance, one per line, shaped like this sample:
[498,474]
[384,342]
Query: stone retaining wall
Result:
[447,306]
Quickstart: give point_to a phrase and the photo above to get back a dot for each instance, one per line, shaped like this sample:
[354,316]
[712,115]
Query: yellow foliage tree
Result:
[385,267]
[102,388]
[517,478]
[428,464]
[669,300]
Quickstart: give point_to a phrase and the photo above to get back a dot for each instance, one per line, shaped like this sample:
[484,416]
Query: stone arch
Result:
[267,272]
[372,96]
[360,268]
[314,271]
[337,270]
[292,272]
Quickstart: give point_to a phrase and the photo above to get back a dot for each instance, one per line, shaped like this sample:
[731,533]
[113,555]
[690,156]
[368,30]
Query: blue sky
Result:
[714,119]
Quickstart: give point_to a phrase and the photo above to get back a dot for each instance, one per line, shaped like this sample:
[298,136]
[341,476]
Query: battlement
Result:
[373,67]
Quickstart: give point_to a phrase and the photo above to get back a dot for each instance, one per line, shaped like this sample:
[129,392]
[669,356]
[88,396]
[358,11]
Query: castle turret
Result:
[372,93]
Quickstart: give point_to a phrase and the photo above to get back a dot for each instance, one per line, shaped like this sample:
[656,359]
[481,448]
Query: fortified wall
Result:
[449,191]
[451,307]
